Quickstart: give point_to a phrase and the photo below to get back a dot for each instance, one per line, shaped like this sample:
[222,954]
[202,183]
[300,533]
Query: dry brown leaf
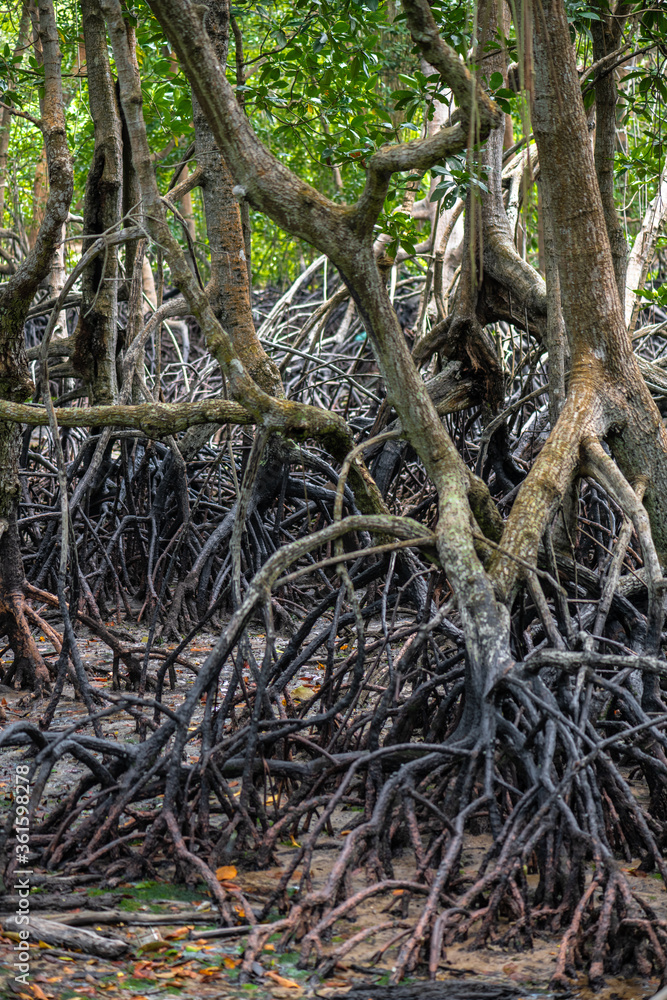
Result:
[143,970]
[281,981]
[225,872]
[179,933]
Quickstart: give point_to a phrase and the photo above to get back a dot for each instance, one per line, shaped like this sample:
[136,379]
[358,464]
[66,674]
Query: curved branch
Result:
[470,97]
[271,187]
[278,414]
[421,154]
[192,181]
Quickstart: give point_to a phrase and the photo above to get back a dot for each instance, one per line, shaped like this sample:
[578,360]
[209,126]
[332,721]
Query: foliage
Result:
[326,84]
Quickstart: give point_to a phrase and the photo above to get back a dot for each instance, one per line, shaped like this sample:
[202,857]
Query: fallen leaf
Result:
[225,873]
[293,841]
[281,981]
[143,970]
[301,693]
[38,991]
[229,962]
[178,934]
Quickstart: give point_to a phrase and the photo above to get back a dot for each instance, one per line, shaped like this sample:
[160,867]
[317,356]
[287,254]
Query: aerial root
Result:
[29,668]
[242,910]
[622,935]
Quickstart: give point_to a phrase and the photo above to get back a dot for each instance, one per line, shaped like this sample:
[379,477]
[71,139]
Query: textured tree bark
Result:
[345,233]
[607,397]
[607,34]
[15,384]
[229,290]
[96,334]
[501,259]
[555,333]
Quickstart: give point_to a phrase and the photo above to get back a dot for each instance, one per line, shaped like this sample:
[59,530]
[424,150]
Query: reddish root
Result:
[203,870]
[29,670]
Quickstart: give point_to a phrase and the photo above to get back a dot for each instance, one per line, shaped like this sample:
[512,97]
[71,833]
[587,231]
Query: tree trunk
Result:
[96,334]
[15,385]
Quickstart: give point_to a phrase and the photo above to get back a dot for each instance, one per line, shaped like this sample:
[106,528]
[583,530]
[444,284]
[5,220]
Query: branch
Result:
[22,114]
[157,420]
[193,180]
[470,98]
[474,104]
[418,155]
[267,184]
[610,61]
[298,419]
[271,187]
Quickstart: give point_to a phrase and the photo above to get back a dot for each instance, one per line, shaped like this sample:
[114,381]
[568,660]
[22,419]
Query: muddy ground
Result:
[167,928]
